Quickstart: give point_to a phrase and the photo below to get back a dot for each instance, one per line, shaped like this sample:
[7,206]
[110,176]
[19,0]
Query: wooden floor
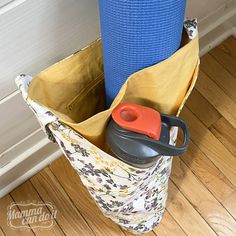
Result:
[202,192]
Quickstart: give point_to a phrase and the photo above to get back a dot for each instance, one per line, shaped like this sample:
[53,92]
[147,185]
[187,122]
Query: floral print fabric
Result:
[131,197]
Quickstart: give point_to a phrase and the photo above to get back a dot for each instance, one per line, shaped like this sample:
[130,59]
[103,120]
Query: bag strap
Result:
[44,115]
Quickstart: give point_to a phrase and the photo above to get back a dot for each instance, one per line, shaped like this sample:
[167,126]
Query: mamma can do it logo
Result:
[27,215]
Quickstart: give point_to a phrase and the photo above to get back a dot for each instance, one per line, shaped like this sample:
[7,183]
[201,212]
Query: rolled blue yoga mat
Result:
[137,34]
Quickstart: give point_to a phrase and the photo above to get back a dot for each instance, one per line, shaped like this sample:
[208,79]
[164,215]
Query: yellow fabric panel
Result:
[74,88]
[71,82]
[164,85]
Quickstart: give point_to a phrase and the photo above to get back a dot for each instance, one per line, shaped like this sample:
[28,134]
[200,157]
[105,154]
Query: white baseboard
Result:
[27,164]
[25,159]
[16,181]
[217,18]
[38,152]
[217,27]
[215,37]
[234,31]
[233,22]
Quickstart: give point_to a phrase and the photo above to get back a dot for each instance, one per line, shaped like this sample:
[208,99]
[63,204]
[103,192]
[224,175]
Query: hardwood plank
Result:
[230,45]
[202,200]
[211,146]
[26,192]
[225,54]
[168,227]
[226,133]
[185,215]
[209,175]
[151,233]
[219,75]
[68,217]
[1,232]
[202,108]
[4,203]
[72,184]
[221,101]
[230,203]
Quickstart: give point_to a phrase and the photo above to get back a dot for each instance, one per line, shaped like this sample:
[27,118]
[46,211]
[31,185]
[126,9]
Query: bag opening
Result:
[73,89]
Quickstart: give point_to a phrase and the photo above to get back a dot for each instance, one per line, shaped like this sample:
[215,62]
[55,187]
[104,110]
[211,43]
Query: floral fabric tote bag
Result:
[68,100]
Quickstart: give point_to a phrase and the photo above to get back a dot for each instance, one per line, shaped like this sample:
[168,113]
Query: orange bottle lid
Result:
[139,119]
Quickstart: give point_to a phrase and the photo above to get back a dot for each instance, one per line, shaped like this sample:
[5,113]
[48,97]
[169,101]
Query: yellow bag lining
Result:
[73,89]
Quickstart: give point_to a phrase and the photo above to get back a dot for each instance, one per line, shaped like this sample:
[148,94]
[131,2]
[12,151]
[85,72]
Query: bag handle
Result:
[165,149]
[173,121]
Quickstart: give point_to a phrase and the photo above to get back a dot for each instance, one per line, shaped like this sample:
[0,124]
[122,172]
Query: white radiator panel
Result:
[37,33]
